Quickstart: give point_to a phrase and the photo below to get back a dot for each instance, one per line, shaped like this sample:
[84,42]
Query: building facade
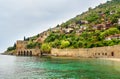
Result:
[21,49]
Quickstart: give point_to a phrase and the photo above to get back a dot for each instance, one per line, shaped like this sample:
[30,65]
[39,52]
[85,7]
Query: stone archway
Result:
[30,53]
[27,53]
[24,53]
[112,53]
[18,53]
[106,54]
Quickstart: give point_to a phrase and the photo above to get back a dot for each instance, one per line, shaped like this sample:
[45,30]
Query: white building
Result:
[117,36]
[119,21]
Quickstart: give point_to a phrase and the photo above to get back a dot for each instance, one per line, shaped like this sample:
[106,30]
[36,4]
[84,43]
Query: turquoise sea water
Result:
[12,67]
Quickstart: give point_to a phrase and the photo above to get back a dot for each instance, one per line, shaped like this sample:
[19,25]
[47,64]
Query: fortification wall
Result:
[28,52]
[100,52]
[21,44]
[21,49]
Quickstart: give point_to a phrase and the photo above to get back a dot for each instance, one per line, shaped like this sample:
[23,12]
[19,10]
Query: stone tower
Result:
[21,44]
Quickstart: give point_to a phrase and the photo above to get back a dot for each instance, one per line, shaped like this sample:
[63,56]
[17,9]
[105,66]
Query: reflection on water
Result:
[12,67]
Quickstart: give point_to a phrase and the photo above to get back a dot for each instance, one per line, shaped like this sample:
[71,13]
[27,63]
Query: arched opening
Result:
[105,53]
[30,53]
[24,53]
[112,53]
[98,53]
[95,53]
[19,53]
[102,53]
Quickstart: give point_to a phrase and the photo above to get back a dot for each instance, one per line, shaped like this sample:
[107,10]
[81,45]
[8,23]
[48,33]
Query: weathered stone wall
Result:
[21,44]
[101,52]
[28,52]
[21,49]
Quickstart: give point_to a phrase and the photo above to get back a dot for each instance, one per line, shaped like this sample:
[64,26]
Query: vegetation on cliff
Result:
[91,28]
[45,48]
[11,48]
[95,28]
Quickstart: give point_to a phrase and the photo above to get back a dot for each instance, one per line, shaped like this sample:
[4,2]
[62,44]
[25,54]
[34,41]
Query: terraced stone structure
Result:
[21,49]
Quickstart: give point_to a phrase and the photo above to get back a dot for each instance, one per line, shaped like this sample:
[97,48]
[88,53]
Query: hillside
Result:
[97,27]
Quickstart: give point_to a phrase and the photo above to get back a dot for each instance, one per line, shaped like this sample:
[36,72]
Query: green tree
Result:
[45,48]
[56,44]
[11,48]
[51,37]
[32,45]
[64,44]
[110,31]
